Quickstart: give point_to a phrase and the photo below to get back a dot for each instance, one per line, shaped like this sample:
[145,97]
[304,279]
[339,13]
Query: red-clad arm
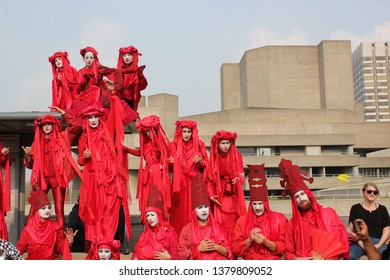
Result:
[81,148]
[281,222]
[172,240]
[132,151]
[22,243]
[241,244]
[184,248]
[73,127]
[290,244]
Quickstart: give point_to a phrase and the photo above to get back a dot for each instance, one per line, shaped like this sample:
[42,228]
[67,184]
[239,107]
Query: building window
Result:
[247,151]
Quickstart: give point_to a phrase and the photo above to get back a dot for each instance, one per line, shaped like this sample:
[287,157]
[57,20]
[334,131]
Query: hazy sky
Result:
[184,43]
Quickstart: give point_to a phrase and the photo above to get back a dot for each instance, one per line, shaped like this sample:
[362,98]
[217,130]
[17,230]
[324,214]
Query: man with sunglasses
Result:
[375,216]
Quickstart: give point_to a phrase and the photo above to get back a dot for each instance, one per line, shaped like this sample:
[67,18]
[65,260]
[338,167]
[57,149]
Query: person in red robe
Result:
[134,80]
[63,81]
[104,188]
[203,238]
[42,238]
[154,150]
[50,158]
[227,176]
[159,239]
[260,234]
[310,221]
[92,87]
[104,248]
[5,190]
[188,158]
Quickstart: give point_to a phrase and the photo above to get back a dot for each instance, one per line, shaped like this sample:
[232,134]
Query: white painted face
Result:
[203,212]
[58,62]
[224,146]
[258,208]
[104,254]
[88,58]
[127,58]
[300,196]
[47,128]
[45,211]
[93,121]
[152,218]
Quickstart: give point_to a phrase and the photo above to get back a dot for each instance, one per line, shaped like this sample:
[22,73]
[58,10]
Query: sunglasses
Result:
[372,192]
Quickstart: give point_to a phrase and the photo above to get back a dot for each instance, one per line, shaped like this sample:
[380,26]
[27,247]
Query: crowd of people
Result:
[191,202]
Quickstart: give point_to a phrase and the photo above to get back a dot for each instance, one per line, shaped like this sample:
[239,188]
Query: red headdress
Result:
[199,195]
[89,49]
[92,111]
[258,189]
[104,243]
[37,199]
[135,54]
[155,201]
[293,177]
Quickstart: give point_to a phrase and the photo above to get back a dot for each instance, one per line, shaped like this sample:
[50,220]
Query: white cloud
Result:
[379,33]
[105,36]
[263,36]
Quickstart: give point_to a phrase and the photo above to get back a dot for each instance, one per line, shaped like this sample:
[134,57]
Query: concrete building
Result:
[370,62]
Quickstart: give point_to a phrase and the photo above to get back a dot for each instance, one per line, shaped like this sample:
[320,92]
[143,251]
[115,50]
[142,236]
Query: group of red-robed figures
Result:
[192,204]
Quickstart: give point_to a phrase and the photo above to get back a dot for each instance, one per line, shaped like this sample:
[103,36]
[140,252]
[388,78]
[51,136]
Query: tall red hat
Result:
[199,195]
[38,199]
[258,189]
[293,177]
[155,201]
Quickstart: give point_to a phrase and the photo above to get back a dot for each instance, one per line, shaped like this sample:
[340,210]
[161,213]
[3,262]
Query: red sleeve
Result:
[281,221]
[173,242]
[184,247]
[81,147]
[73,127]
[290,244]
[132,151]
[239,241]
[21,245]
